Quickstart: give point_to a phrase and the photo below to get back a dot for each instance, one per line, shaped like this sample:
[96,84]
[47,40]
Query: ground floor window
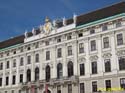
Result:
[108,85]
[69,88]
[122,83]
[94,86]
[82,88]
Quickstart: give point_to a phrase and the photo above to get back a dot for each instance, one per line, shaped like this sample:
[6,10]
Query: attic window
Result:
[92,31]
[80,34]
[14,52]
[28,48]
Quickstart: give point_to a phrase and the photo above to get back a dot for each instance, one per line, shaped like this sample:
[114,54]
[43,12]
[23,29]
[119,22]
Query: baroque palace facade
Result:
[84,54]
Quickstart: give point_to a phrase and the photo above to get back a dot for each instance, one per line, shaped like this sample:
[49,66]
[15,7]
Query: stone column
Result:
[4,77]
[75,54]
[41,65]
[17,65]
[10,74]
[64,52]
[99,61]
[87,64]
[25,70]
[113,51]
[32,65]
[53,58]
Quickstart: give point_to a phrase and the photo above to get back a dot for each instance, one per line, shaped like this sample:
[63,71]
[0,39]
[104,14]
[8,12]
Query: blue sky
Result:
[16,16]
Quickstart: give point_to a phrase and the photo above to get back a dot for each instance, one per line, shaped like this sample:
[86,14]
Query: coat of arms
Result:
[47,26]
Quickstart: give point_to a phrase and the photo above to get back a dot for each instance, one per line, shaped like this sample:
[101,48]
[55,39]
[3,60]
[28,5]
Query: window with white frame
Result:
[106,42]
[120,39]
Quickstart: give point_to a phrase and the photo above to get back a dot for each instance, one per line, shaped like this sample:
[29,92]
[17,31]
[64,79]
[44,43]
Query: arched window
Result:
[48,73]
[36,73]
[70,69]
[59,71]
[28,75]
[37,58]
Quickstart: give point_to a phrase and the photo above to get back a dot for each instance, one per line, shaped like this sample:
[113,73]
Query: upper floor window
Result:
[28,48]
[81,48]
[94,67]
[21,61]
[7,64]
[69,36]
[47,55]
[14,52]
[58,39]
[59,70]
[104,27]
[37,58]
[92,31]
[122,83]
[118,24]
[12,91]
[70,69]
[69,50]
[106,42]
[28,75]
[21,78]
[122,63]
[93,45]
[58,89]
[120,39]
[80,34]
[48,73]
[82,69]
[14,63]
[28,59]
[59,52]
[7,80]
[36,73]
[14,80]
[1,66]
[107,65]
[46,43]
[37,45]
[0,81]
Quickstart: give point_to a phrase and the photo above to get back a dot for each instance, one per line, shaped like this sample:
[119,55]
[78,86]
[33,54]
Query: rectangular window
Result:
[7,80]
[122,83]
[6,92]
[82,69]
[93,45]
[47,55]
[21,78]
[107,65]
[7,65]
[108,85]
[12,91]
[58,39]
[81,48]
[104,27]
[69,88]
[94,67]
[1,66]
[122,63]
[118,24]
[82,88]
[92,31]
[14,80]
[28,59]
[119,39]
[69,50]
[94,86]
[106,42]
[80,34]
[0,81]
[59,52]
[58,89]
[69,37]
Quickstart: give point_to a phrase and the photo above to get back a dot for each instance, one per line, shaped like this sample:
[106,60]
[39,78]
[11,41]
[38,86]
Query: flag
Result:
[46,88]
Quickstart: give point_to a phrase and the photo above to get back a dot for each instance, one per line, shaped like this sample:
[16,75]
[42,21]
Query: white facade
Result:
[36,45]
